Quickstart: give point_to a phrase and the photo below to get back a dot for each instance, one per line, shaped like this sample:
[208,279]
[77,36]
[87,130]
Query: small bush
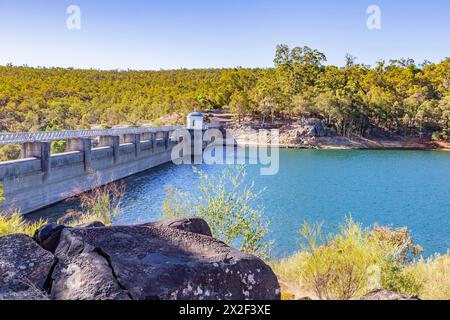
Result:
[290,276]
[101,204]
[227,205]
[395,277]
[399,243]
[337,266]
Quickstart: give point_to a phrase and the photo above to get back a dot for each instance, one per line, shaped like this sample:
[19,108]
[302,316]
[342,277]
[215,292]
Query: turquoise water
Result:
[398,188]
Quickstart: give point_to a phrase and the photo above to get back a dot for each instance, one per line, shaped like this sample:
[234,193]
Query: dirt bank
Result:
[289,138]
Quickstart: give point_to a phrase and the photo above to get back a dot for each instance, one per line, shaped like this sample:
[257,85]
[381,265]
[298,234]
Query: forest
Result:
[398,96]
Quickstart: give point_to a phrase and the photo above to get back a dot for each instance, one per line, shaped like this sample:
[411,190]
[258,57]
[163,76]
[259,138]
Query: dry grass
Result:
[434,273]
[356,261]
[16,224]
[99,205]
[290,274]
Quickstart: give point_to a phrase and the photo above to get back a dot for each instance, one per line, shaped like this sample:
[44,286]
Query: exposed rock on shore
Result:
[387,295]
[194,225]
[313,134]
[312,128]
[176,259]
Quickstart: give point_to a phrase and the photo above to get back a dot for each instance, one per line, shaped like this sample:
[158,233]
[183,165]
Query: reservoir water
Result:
[398,188]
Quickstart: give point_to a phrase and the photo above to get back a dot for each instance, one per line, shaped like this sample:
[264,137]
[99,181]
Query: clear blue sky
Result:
[166,34]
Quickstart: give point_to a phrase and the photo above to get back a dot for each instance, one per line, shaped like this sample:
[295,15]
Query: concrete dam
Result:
[92,158]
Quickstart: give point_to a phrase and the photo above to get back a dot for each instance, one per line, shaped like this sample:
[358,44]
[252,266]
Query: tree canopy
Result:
[397,96]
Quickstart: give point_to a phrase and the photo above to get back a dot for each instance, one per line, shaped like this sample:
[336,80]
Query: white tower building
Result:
[195,121]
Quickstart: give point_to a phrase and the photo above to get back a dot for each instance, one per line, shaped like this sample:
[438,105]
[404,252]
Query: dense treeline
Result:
[38,99]
[398,96]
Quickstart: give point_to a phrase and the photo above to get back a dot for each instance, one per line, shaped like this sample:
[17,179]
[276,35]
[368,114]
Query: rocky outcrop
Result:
[173,259]
[313,128]
[150,262]
[387,295]
[24,269]
[193,224]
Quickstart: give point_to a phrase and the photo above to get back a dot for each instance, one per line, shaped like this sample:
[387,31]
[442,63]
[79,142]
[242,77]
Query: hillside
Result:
[398,97]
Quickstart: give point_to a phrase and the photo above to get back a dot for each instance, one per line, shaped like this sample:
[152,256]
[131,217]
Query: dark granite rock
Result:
[95,224]
[387,295]
[156,262]
[48,236]
[172,259]
[86,276]
[24,269]
[193,224]
[47,231]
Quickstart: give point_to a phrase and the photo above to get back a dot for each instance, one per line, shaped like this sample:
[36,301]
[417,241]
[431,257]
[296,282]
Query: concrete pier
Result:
[84,146]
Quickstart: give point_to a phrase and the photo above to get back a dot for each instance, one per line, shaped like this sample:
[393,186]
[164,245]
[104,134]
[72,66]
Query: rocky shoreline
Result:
[317,136]
[168,260]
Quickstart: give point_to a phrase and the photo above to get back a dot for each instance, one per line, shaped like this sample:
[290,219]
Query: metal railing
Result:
[46,136]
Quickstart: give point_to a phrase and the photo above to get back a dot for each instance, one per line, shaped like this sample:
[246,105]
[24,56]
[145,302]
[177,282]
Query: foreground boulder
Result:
[86,276]
[152,262]
[24,269]
[387,295]
[171,259]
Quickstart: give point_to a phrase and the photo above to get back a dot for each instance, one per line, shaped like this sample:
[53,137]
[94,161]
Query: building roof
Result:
[195,114]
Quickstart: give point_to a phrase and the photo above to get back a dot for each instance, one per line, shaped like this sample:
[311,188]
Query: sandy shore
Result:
[344,143]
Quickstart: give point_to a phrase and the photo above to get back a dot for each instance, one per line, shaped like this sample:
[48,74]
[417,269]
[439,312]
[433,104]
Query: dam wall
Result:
[41,179]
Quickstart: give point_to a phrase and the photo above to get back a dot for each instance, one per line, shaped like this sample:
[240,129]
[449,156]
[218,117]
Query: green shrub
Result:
[337,266]
[395,277]
[58,147]
[290,276]
[227,205]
